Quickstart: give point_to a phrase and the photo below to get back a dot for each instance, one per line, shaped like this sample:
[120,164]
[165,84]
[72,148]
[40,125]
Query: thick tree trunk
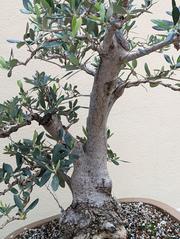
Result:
[93,212]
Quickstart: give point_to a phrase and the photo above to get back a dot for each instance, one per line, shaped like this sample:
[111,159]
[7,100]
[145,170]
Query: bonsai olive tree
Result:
[95,37]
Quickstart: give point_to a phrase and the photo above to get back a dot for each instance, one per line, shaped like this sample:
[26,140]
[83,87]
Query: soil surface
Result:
[142,221]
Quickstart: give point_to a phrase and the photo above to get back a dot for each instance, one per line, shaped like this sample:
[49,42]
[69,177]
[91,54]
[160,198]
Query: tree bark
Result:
[93,212]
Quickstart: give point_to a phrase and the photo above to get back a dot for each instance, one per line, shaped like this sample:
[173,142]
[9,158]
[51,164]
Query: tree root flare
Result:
[85,221]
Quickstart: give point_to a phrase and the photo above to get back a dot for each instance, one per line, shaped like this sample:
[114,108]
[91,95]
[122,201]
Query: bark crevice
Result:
[86,221]
[94,214]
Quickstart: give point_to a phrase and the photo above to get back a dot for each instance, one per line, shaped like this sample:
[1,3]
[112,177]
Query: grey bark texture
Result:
[94,213]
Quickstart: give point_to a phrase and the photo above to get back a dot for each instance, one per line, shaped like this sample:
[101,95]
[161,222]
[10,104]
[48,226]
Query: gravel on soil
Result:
[142,221]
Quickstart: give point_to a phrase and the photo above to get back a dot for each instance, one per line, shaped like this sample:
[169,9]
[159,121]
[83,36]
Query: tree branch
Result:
[6,131]
[11,185]
[137,83]
[33,53]
[174,38]
[121,85]
[19,181]
[55,198]
[9,220]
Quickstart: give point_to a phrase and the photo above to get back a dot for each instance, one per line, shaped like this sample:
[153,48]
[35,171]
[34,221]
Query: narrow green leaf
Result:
[1,175]
[18,202]
[134,63]
[19,83]
[178,59]
[9,73]
[7,168]
[72,4]
[168,59]
[26,194]
[27,4]
[55,183]
[20,44]
[175,15]
[4,64]
[41,100]
[92,27]
[147,69]
[51,3]
[45,4]
[58,165]
[61,181]
[73,59]
[170,36]
[76,25]
[173,3]
[13,41]
[115,162]
[147,2]
[154,84]
[14,190]
[177,66]
[84,131]
[7,178]
[102,12]
[45,178]
[19,160]
[31,34]
[109,11]
[32,205]
[69,140]
[35,135]
[39,138]
[53,44]
[24,11]
[162,25]
[13,63]
[61,133]
[57,150]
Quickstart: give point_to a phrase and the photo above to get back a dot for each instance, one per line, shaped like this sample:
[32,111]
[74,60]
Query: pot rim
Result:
[160,205]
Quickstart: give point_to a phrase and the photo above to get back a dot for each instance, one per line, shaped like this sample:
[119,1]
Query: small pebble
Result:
[142,221]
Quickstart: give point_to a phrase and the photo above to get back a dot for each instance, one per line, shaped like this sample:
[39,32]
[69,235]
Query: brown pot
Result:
[30,226]
[162,206]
